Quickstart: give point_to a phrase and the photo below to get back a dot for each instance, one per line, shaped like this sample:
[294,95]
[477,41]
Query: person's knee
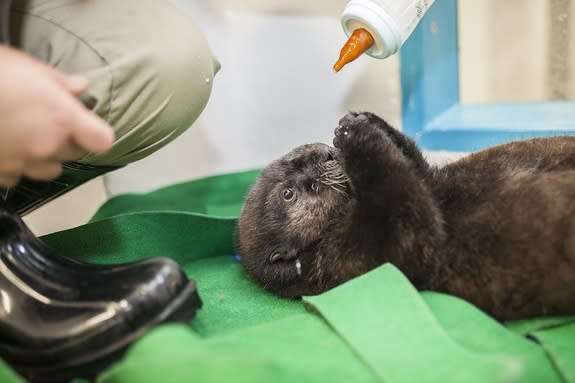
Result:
[149,68]
[160,86]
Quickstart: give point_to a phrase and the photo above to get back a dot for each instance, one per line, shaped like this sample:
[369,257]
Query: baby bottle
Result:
[378,27]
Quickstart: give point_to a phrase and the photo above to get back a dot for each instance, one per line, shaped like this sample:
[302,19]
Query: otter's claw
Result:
[343,134]
[341,131]
[353,118]
[347,124]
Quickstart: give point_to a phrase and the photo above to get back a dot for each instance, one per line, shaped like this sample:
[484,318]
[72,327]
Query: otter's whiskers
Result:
[334,177]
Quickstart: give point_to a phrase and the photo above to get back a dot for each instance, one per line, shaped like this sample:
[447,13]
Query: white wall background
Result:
[517,50]
[276,89]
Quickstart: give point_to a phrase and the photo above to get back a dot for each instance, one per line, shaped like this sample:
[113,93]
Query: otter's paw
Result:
[356,129]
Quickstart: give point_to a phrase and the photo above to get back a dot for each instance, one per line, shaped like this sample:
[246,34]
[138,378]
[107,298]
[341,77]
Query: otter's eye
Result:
[315,186]
[288,194]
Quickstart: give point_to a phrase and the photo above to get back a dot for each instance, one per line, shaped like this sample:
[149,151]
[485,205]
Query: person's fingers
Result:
[8,180]
[74,83]
[72,126]
[10,170]
[70,153]
[89,132]
[43,170]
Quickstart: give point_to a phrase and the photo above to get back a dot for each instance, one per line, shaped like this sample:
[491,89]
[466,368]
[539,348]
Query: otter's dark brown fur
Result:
[496,228]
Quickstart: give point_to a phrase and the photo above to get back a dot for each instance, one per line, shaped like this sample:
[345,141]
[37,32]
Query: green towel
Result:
[407,337]
[375,328]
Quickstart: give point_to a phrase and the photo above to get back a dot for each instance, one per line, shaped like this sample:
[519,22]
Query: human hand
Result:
[42,123]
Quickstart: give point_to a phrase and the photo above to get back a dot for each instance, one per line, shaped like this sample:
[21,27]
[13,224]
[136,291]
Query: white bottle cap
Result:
[369,15]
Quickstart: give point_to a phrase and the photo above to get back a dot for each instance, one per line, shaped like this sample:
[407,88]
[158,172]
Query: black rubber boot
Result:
[61,319]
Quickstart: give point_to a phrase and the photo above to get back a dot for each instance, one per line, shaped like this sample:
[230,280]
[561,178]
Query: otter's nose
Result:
[331,154]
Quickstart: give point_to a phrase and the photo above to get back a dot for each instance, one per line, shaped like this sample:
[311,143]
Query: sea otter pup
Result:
[496,228]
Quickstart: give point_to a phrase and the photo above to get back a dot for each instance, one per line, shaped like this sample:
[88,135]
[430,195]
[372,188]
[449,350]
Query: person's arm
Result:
[42,123]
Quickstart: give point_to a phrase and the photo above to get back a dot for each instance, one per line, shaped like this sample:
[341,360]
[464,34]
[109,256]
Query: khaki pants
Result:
[150,70]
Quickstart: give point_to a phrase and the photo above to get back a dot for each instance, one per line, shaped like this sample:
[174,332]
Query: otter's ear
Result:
[282,254]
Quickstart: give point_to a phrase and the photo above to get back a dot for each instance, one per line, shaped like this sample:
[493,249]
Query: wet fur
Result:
[496,228]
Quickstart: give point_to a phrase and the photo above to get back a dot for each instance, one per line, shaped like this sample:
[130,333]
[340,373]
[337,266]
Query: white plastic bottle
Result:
[390,22]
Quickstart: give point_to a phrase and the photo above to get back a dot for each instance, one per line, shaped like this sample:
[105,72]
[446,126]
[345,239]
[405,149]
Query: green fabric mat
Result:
[375,328]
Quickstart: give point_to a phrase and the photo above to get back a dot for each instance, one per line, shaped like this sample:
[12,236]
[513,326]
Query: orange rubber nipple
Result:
[359,41]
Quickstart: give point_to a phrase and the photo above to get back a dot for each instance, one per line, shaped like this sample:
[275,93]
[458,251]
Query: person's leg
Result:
[150,74]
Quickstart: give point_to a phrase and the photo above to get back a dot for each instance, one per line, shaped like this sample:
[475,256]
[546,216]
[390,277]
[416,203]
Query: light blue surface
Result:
[431,109]
[430,67]
[474,127]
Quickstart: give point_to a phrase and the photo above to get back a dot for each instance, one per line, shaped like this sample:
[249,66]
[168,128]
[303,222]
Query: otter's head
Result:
[288,212]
